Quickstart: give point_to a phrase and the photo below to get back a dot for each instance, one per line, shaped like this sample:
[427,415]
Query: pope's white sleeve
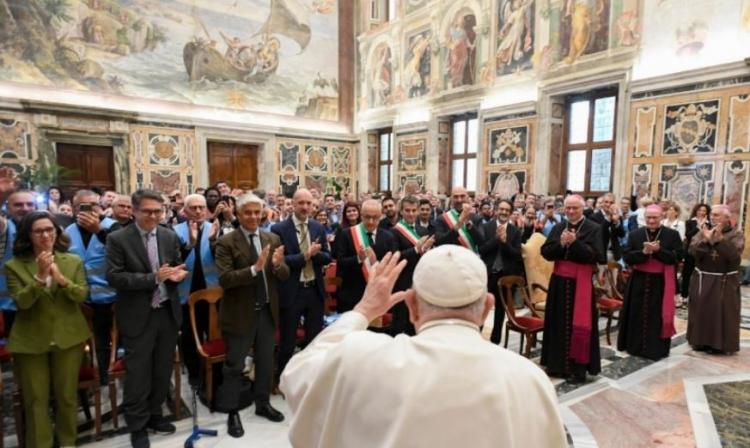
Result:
[302,370]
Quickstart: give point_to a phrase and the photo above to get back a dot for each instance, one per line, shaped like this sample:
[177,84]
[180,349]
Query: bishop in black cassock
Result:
[571,334]
[647,316]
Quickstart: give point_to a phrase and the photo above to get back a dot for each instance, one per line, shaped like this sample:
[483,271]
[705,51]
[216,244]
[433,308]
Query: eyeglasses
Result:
[43,232]
[370,218]
[197,207]
[151,212]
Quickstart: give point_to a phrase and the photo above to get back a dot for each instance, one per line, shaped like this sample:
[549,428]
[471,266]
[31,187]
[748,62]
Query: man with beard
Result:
[456,226]
[501,253]
[413,241]
[571,334]
[714,305]
[647,316]
[425,222]
[391,213]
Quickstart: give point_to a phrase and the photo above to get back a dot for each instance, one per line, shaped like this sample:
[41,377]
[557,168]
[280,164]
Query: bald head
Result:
[653,216]
[459,196]
[371,213]
[302,201]
[574,208]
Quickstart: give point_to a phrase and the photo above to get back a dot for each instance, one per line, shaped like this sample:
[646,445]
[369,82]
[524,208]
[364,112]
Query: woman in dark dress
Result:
[698,220]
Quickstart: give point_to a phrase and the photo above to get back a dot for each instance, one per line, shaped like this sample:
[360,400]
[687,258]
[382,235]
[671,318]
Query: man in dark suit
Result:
[612,228]
[306,253]
[144,266]
[360,247]
[413,241]
[501,252]
[250,262]
[391,213]
[424,221]
[458,225]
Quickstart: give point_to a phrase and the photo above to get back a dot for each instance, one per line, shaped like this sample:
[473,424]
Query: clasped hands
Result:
[568,237]
[713,235]
[276,258]
[172,273]
[649,247]
[367,254]
[47,267]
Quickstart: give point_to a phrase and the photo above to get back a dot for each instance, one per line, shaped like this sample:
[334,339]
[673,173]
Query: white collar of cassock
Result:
[445,322]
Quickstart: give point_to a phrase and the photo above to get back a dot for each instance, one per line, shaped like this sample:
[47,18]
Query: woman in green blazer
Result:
[49,332]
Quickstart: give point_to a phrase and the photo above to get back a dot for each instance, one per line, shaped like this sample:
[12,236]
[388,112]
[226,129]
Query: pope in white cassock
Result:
[445,387]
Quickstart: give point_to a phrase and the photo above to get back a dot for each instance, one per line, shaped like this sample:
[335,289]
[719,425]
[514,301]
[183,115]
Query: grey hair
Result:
[194,197]
[248,198]
[80,194]
[122,198]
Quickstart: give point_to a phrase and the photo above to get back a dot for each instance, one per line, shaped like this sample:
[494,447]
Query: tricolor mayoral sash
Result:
[464,237]
[361,242]
[408,232]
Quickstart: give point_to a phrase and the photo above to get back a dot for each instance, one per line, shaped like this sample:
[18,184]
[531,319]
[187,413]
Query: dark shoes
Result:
[267,411]
[160,425]
[234,425]
[577,378]
[139,439]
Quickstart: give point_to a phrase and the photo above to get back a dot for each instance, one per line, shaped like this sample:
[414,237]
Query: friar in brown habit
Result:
[714,306]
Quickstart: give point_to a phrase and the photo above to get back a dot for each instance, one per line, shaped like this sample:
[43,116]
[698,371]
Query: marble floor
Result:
[691,399]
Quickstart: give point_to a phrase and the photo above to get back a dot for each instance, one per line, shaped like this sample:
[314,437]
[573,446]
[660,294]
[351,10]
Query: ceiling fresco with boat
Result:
[275,56]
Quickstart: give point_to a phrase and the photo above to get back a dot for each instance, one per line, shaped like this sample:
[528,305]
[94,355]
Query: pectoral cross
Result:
[714,255]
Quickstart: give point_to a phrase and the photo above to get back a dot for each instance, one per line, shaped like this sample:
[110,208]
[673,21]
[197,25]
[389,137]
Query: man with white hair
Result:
[647,316]
[196,234]
[714,305]
[250,262]
[447,385]
[359,248]
[571,335]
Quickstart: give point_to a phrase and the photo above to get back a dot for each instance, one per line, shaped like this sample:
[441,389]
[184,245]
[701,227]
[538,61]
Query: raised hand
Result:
[214,229]
[377,299]
[164,272]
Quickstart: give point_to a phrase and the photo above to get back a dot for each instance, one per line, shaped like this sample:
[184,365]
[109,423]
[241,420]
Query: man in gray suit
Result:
[145,267]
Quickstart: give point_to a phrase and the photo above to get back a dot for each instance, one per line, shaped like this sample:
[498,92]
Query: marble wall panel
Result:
[410,161]
[327,166]
[508,147]
[735,189]
[739,124]
[687,185]
[645,129]
[162,158]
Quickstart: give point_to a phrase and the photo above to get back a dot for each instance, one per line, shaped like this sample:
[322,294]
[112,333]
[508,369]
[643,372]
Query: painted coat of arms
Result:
[509,145]
[691,128]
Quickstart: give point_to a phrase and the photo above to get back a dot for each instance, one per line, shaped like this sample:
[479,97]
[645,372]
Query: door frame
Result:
[264,141]
[120,153]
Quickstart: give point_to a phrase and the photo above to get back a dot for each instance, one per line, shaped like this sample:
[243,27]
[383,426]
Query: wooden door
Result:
[91,166]
[234,163]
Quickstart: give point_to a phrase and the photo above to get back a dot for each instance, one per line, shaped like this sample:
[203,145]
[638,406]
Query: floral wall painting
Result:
[275,56]
[418,64]
[460,66]
[508,145]
[506,183]
[515,36]
[584,28]
[381,76]
[691,128]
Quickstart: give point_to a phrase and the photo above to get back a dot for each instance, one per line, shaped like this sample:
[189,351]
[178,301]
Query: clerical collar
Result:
[445,322]
[577,222]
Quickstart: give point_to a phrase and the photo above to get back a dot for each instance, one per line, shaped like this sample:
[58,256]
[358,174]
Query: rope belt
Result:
[714,274]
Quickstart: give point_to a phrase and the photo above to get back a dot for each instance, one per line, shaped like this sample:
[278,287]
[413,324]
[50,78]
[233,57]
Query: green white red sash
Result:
[408,232]
[464,237]
[362,242]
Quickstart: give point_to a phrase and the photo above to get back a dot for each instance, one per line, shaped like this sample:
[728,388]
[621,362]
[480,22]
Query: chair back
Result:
[506,285]
[538,270]
[332,282]
[212,296]
[612,277]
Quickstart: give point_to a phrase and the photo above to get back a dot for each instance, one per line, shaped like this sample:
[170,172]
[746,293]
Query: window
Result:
[385,160]
[392,9]
[464,140]
[589,143]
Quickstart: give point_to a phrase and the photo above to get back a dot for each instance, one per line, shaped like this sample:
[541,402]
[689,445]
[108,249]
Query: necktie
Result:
[497,266]
[307,271]
[261,296]
[153,259]
[371,237]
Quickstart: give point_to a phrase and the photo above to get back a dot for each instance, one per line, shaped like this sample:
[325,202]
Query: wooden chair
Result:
[332,284]
[88,381]
[609,299]
[116,371]
[213,350]
[527,326]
